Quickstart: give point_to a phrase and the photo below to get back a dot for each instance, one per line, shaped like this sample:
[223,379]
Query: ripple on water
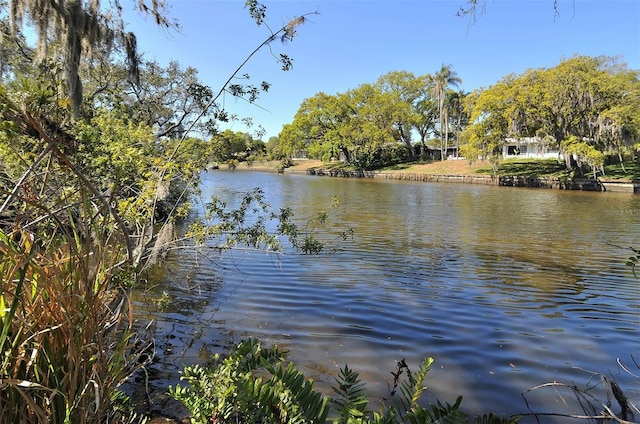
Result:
[506,289]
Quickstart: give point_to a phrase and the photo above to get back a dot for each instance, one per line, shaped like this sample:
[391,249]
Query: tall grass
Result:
[65,327]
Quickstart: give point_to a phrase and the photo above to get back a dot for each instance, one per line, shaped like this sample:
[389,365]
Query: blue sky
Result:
[351,42]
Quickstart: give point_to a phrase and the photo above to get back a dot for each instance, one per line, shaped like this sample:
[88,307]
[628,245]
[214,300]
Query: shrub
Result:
[255,385]
[231,390]
[284,164]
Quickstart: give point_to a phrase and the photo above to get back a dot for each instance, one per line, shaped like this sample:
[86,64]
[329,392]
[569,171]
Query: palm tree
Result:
[444,78]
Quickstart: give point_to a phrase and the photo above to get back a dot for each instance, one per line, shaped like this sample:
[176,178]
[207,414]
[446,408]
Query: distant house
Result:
[434,153]
[528,147]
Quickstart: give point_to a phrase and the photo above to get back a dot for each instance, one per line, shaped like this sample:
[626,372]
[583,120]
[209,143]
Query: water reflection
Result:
[505,288]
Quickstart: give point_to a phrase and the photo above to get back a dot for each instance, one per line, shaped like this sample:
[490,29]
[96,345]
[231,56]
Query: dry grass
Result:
[448,167]
[66,337]
[65,329]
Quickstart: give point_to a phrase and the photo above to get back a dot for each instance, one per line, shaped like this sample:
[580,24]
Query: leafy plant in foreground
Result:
[254,385]
[237,389]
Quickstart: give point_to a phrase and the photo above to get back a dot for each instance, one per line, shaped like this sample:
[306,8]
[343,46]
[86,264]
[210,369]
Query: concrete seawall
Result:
[587,184]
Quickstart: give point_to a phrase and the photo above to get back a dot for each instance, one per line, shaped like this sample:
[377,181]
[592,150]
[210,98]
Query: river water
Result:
[506,288]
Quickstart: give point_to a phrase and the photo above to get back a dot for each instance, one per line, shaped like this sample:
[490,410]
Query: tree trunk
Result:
[346,154]
[407,141]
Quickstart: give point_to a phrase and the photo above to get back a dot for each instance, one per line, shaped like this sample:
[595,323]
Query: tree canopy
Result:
[373,124]
[581,106]
[585,107]
[102,154]
[131,131]
[79,29]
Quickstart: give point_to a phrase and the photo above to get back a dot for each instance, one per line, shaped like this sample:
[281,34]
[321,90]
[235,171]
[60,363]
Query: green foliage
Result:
[583,153]
[412,388]
[367,126]
[284,164]
[351,399]
[84,204]
[371,126]
[113,149]
[290,396]
[585,101]
[255,385]
[228,145]
[163,302]
[305,238]
[245,225]
[236,388]
[70,34]
[116,162]
[441,81]
[66,334]
[89,193]
[249,225]
[273,149]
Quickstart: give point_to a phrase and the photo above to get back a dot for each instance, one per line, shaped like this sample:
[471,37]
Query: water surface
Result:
[506,288]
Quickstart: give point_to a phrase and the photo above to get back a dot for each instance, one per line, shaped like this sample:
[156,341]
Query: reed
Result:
[65,327]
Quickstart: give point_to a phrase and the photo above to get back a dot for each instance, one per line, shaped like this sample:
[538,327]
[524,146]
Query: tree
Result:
[588,98]
[229,145]
[362,126]
[407,92]
[584,97]
[583,153]
[427,111]
[459,117]
[89,199]
[168,99]
[369,129]
[80,27]
[489,123]
[444,78]
[15,54]
[274,148]
[317,122]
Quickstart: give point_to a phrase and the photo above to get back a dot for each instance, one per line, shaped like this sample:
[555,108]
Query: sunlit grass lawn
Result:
[631,171]
[510,167]
[529,168]
[553,168]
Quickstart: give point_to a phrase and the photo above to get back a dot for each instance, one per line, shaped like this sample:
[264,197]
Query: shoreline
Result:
[315,168]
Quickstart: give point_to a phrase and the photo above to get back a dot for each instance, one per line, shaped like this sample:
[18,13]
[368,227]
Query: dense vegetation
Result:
[373,125]
[585,108]
[101,156]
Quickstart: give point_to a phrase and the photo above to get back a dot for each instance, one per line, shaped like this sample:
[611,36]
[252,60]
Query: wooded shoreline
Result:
[587,184]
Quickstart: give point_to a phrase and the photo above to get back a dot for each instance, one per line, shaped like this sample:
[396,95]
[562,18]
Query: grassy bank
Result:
[520,168]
